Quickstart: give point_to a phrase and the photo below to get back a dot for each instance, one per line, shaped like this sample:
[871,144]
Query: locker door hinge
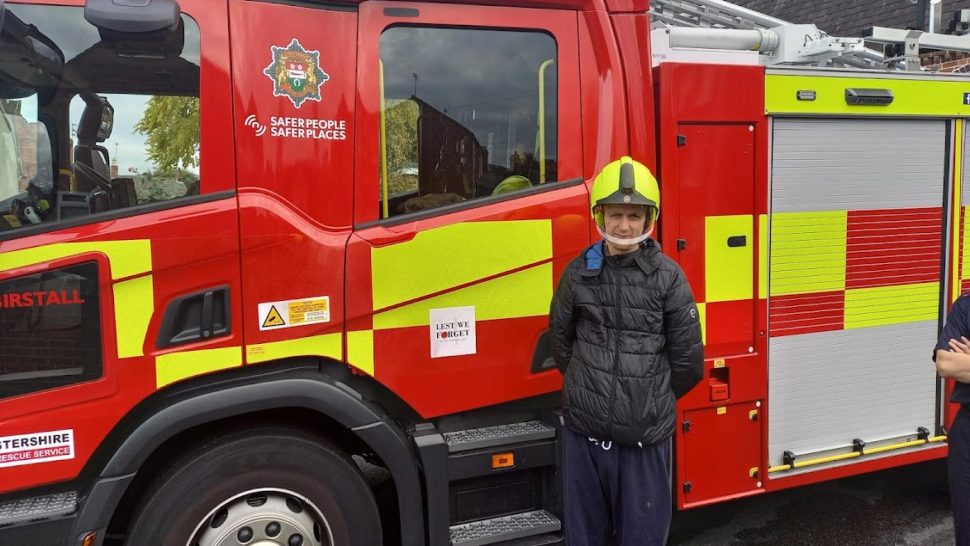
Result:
[681,140]
[687,487]
[681,244]
[685,426]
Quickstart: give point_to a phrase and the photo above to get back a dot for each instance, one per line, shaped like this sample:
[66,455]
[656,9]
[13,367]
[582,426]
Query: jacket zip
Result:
[616,355]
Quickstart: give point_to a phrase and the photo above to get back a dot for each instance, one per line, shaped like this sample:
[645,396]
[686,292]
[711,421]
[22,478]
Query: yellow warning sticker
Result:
[304,311]
[290,313]
[273,318]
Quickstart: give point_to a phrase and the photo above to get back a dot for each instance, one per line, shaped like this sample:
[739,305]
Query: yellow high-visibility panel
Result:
[526,293]
[134,305]
[127,258]
[443,258]
[173,367]
[326,345]
[728,271]
[911,97]
[360,350]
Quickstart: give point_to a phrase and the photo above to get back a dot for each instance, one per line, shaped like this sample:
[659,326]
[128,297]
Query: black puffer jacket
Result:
[626,333]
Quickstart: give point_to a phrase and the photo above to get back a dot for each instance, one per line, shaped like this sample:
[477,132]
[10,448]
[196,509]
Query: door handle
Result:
[380,236]
[199,316]
[737,241]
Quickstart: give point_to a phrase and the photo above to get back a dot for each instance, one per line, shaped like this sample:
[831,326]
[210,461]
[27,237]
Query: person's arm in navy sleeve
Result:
[952,353]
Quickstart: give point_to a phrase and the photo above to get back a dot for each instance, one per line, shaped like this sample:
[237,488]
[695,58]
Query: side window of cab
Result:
[466,113]
[93,124]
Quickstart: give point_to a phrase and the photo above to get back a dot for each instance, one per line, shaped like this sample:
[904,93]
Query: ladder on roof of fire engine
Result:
[711,14]
[717,24]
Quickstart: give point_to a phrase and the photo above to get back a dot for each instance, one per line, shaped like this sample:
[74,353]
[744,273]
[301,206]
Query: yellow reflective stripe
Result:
[795,269]
[173,367]
[966,249]
[326,345]
[449,256]
[525,293]
[127,258]
[910,96]
[360,350]
[702,314]
[134,305]
[762,256]
[865,307]
[729,271]
[958,126]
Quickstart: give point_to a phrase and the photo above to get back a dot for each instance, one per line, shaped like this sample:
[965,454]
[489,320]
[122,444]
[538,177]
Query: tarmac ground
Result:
[908,506]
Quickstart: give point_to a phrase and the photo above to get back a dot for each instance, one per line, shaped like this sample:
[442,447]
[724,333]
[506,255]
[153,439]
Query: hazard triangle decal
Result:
[273,318]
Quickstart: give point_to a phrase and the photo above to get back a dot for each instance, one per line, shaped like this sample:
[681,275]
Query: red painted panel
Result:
[730,328]
[604,121]
[713,101]
[806,313]
[310,172]
[441,386]
[722,168]
[893,247]
[633,34]
[295,194]
[745,376]
[720,451]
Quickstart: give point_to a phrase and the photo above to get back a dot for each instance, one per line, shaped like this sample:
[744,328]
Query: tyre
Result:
[267,486]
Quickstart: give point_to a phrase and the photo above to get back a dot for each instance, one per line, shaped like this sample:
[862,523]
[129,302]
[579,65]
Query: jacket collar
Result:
[647,258]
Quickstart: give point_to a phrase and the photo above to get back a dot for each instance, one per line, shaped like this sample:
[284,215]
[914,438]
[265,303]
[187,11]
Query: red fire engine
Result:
[278,272]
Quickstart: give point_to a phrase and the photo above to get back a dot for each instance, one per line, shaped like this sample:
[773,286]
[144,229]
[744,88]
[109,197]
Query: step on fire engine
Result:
[278,272]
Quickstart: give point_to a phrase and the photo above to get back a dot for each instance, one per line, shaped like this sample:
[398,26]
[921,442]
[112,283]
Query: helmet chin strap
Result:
[625,242]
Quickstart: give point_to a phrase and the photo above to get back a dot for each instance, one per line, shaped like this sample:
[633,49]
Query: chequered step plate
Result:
[478,438]
[34,508]
[490,531]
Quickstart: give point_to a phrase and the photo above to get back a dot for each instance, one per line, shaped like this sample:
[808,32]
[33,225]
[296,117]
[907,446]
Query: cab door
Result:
[119,268]
[469,199]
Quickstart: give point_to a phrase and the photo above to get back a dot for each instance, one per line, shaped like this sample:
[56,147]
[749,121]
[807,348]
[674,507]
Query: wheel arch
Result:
[296,389]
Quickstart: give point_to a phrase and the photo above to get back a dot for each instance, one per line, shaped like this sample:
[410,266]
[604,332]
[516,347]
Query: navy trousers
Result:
[958,462]
[615,495]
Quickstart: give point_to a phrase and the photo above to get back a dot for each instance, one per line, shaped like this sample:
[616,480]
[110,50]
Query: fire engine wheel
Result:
[264,487]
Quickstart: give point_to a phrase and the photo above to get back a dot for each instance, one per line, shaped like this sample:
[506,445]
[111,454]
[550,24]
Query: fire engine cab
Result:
[279,272]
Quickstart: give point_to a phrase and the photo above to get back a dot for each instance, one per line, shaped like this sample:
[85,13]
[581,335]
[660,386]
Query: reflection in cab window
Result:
[92,122]
[467,113]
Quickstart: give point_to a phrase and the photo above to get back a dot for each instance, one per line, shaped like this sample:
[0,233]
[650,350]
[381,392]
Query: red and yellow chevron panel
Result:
[841,270]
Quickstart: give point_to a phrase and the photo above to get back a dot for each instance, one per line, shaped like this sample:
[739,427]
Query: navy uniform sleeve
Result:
[956,324]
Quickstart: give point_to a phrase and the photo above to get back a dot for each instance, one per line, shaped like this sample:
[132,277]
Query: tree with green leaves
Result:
[171,128]
[401,120]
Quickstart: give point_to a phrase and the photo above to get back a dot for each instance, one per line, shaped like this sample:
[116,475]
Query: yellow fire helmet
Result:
[625,182]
